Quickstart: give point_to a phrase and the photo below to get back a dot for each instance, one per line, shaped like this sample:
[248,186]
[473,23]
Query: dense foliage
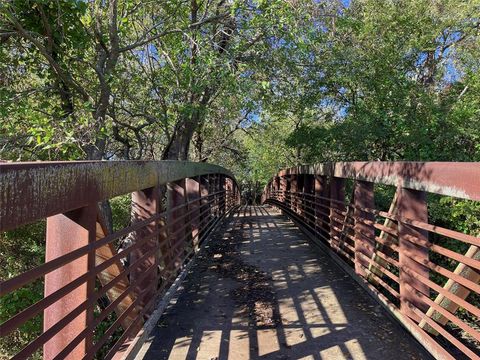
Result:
[210,81]
[385,80]
[252,85]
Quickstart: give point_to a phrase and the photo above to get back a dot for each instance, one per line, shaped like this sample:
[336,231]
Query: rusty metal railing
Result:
[413,267]
[82,264]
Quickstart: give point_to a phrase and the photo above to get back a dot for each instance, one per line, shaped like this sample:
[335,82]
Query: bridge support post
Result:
[145,204]
[66,233]
[413,242]
[321,212]
[294,193]
[337,199]
[176,198]
[204,204]
[223,195]
[301,195]
[364,233]
[192,188]
[283,189]
[238,195]
[214,198]
[276,187]
[213,189]
[229,193]
[308,200]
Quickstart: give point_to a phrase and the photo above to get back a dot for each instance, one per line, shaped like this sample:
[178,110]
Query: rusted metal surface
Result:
[204,209]
[321,212]
[455,288]
[364,230]
[67,232]
[337,197]
[412,243]
[31,191]
[457,179]
[383,248]
[102,254]
[80,250]
[404,270]
[145,204]
[192,188]
[176,196]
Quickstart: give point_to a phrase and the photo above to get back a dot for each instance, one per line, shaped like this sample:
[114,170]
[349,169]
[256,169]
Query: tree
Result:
[395,73]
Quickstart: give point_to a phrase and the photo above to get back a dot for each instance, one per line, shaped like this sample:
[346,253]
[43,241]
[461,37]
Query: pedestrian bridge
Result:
[340,262]
[260,290]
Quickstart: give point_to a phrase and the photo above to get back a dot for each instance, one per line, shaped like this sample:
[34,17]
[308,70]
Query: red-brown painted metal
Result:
[457,179]
[321,212]
[192,188]
[176,196]
[283,188]
[32,191]
[412,242]
[294,189]
[222,187]
[67,194]
[337,199]
[364,231]
[308,189]
[145,204]
[65,233]
[388,252]
[204,192]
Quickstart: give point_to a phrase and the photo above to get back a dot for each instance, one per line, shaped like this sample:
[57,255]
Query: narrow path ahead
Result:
[259,290]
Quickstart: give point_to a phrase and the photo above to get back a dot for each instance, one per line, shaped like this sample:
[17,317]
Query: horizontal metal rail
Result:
[175,205]
[396,254]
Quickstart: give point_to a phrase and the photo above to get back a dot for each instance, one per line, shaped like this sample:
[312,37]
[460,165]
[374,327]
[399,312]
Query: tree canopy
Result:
[252,85]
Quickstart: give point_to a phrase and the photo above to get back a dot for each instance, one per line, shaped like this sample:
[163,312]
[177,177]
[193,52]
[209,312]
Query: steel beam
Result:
[364,233]
[412,241]
[65,233]
[145,204]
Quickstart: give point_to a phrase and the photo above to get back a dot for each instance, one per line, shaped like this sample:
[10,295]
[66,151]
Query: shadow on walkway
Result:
[261,291]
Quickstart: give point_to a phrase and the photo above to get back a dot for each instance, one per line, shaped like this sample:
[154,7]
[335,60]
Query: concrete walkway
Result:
[259,290]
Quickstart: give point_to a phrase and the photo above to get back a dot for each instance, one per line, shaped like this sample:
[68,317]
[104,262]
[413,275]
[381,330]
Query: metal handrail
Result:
[67,194]
[395,266]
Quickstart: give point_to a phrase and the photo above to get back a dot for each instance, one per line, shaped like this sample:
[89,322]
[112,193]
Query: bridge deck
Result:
[260,290]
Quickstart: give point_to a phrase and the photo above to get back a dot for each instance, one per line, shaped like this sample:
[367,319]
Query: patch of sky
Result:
[452,73]
[247,73]
[320,25]
[339,110]
[421,59]
[345,3]
[276,42]
[253,116]
[149,51]
[342,112]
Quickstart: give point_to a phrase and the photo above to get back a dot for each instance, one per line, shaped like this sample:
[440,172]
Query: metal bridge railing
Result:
[426,275]
[82,264]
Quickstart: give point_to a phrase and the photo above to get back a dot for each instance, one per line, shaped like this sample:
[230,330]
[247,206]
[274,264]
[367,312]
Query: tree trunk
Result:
[179,145]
